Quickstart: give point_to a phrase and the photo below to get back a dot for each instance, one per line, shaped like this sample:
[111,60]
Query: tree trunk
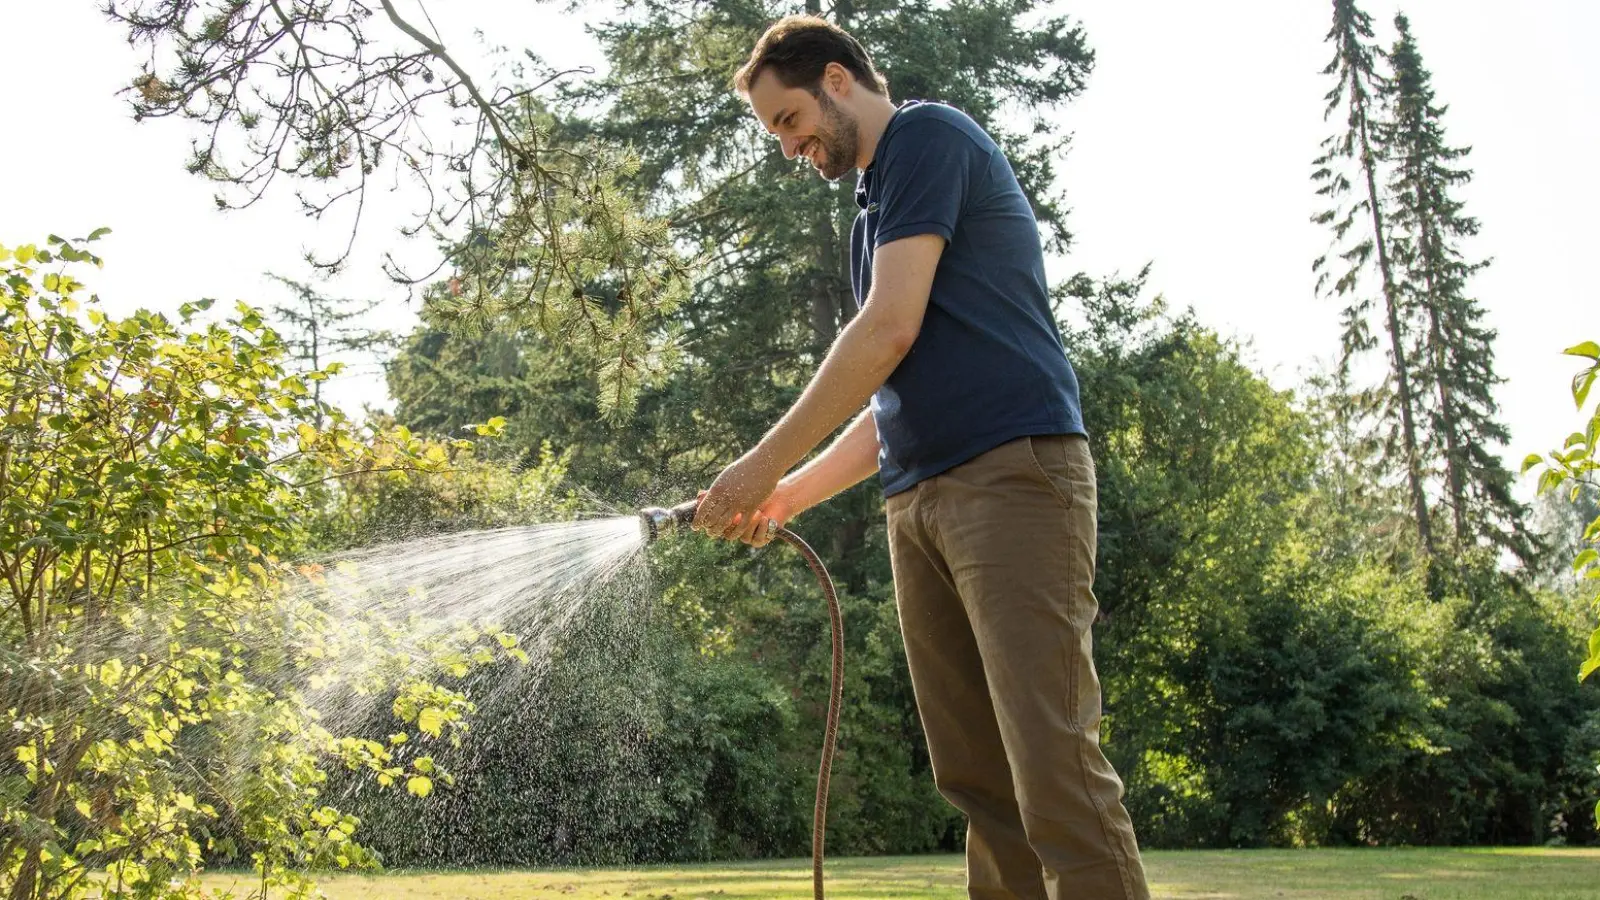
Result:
[824,294]
[1419,500]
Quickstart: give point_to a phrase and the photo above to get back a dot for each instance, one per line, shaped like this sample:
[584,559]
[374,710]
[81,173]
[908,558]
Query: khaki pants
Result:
[993,571]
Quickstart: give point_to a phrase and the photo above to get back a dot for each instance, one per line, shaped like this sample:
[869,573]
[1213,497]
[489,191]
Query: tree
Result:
[1453,350]
[1358,217]
[537,231]
[152,477]
[319,330]
[1228,646]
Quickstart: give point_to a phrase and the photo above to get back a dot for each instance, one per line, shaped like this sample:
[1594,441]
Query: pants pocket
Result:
[1049,458]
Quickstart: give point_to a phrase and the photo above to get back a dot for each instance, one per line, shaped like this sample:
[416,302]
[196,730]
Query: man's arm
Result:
[861,359]
[850,459]
[866,352]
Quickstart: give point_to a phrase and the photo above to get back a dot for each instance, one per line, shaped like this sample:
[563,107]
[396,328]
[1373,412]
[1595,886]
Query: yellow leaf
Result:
[421,785]
[431,720]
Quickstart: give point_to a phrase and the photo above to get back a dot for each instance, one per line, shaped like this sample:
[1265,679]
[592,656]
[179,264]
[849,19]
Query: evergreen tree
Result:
[1453,350]
[1357,213]
[776,287]
[319,330]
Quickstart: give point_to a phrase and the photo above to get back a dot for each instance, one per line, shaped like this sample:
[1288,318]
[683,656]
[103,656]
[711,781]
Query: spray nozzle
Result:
[658,521]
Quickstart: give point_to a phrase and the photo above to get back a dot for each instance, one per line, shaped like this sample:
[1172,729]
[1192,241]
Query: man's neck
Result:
[871,122]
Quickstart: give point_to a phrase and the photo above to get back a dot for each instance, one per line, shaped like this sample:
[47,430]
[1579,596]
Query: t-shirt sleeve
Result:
[930,168]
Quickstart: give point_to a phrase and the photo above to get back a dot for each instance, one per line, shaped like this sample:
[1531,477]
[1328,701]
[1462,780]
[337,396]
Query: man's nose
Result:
[791,146]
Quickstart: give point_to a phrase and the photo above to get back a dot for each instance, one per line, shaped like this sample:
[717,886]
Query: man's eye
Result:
[789,120]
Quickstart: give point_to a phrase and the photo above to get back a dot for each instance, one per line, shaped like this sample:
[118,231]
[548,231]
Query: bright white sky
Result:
[1193,148]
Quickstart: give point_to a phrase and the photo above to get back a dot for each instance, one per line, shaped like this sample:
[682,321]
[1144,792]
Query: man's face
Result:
[809,125]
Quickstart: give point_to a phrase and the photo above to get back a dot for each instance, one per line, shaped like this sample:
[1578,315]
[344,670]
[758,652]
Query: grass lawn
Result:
[1467,874]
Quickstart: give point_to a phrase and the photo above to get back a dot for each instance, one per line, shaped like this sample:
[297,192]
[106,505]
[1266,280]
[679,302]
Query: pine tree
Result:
[1357,214]
[776,288]
[1452,349]
[320,330]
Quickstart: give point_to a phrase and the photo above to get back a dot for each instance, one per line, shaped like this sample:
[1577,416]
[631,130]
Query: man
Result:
[975,431]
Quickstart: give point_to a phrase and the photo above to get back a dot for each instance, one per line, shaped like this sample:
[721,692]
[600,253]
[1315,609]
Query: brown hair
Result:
[798,48]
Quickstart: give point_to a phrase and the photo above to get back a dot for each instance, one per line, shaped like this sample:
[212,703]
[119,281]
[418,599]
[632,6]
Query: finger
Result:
[753,526]
[766,532]
[707,515]
[735,524]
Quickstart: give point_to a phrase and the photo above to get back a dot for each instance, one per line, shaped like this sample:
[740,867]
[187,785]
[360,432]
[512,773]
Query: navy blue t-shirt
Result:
[988,365]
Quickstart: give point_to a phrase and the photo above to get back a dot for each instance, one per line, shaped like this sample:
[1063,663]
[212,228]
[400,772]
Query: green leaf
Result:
[98,233]
[1583,559]
[1550,479]
[1589,349]
[1531,460]
[1588,667]
[1581,383]
[421,785]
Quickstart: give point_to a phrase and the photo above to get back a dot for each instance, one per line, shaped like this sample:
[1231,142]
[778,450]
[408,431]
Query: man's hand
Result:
[778,509]
[728,509]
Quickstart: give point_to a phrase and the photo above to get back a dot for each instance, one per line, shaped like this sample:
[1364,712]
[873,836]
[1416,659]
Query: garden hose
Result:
[658,521]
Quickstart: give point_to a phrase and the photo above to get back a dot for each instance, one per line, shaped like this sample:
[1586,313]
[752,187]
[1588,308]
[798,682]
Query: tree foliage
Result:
[1347,174]
[1453,350]
[537,232]
[1573,468]
[161,660]
[1276,670]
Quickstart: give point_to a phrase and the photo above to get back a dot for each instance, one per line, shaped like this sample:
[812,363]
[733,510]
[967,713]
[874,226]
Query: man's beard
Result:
[839,137]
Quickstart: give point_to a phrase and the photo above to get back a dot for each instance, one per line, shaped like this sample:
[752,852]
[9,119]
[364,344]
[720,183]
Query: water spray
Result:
[657,522]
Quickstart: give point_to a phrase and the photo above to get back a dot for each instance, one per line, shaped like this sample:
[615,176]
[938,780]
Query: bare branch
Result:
[535,231]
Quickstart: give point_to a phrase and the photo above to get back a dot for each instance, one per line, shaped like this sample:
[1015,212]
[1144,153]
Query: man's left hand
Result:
[736,495]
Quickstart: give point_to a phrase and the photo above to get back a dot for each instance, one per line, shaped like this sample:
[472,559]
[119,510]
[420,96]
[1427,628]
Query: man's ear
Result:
[837,80]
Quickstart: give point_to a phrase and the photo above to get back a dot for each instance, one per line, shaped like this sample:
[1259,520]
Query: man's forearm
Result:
[863,357]
[851,458]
